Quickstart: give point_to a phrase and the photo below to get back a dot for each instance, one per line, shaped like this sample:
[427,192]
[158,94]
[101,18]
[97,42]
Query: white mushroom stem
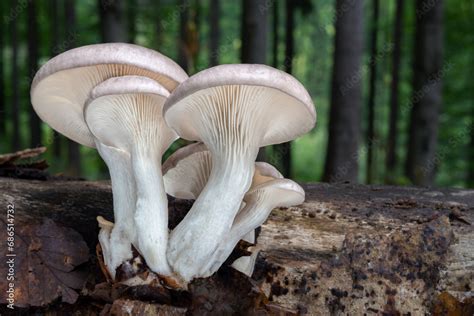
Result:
[122,235]
[256,211]
[104,240]
[197,237]
[246,264]
[151,214]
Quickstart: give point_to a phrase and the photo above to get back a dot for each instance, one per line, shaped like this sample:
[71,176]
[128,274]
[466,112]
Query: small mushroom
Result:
[126,113]
[260,201]
[58,94]
[233,110]
[187,170]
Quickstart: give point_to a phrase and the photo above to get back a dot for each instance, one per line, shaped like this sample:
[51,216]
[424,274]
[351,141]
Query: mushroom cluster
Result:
[131,103]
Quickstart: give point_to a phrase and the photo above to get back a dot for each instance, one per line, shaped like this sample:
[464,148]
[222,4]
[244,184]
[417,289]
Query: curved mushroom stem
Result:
[246,264]
[151,214]
[122,235]
[194,241]
[250,217]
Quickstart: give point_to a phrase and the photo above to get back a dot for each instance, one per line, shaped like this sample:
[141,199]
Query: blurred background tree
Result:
[390,79]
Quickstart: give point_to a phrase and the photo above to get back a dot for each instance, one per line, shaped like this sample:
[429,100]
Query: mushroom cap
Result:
[182,153]
[186,171]
[264,172]
[273,100]
[282,192]
[125,111]
[62,85]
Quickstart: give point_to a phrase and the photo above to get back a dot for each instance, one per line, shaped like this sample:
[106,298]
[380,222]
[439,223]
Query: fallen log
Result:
[349,249]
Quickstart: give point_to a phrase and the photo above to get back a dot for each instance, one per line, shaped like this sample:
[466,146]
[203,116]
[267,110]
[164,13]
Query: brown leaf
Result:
[45,262]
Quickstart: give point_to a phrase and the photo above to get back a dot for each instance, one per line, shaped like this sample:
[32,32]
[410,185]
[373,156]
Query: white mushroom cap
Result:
[122,109]
[61,86]
[281,192]
[186,171]
[274,101]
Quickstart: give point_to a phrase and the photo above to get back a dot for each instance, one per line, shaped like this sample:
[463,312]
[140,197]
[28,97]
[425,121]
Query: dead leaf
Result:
[45,262]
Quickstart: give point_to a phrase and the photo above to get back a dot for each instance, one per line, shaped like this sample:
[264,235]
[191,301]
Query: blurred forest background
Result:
[391,80]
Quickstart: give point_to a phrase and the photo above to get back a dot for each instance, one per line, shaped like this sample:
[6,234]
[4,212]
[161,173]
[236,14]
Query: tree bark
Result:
[427,85]
[214,32]
[113,24]
[342,160]
[33,55]
[15,100]
[391,160]
[74,153]
[371,136]
[283,151]
[347,249]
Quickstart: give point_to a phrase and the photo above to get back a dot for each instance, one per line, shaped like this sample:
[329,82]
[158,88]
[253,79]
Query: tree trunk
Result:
[56,38]
[254,39]
[342,159]
[33,55]
[283,151]
[15,85]
[391,160]
[113,24]
[275,25]
[74,153]
[427,85]
[254,32]
[214,32]
[371,137]
[184,59]
[346,250]
[131,17]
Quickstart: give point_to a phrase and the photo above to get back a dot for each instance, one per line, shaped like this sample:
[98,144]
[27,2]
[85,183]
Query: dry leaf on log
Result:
[45,264]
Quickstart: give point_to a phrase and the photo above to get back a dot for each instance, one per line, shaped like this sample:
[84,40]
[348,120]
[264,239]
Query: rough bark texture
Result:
[348,250]
[426,101]
[342,159]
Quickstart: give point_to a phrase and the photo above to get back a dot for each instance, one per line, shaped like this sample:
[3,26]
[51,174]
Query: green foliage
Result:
[157,26]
